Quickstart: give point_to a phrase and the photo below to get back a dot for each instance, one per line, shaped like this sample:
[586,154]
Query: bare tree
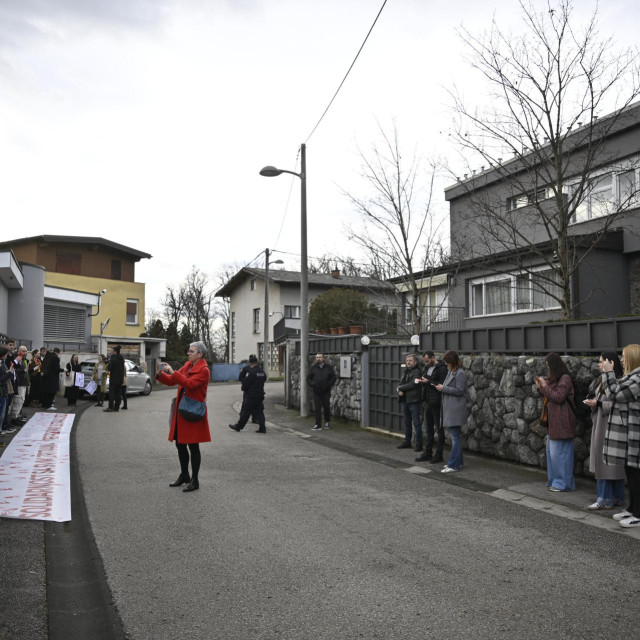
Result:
[189,308]
[399,231]
[541,134]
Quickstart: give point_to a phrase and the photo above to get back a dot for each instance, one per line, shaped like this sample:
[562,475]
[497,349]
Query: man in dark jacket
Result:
[50,383]
[435,372]
[410,395]
[115,366]
[252,378]
[321,378]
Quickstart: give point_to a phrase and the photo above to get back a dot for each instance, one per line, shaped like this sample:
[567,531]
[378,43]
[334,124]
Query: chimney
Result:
[335,273]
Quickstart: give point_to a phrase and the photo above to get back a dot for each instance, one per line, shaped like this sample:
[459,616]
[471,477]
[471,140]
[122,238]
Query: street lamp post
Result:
[265,345]
[271,172]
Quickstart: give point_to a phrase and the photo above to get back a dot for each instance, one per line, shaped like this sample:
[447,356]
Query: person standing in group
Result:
[410,396]
[321,378]
[192,380]
[434,373]
[50,382]
[454,408]
[115,366]
[622,438]
[252,378]
[558,392]
[5,377]
[609,477]
[43,354]
[99,376]
[71,391]
[21,384]
[34,368]
[124,407]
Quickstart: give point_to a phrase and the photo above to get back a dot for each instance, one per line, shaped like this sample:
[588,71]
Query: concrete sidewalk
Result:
[503,480]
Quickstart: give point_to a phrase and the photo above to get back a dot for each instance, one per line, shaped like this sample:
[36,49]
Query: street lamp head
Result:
[270,172]
[277,262]
[103,292]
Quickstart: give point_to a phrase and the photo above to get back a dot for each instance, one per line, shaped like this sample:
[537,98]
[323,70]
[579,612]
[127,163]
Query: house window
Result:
[291,311]
[526,199]
[253,284]
[256,320]
[515,293]
[597,200]
[68,263]
[233,324]
[116,270]
[132,312]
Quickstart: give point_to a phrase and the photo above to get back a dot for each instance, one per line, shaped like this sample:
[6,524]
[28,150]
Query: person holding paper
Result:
[99,376]
[71,390]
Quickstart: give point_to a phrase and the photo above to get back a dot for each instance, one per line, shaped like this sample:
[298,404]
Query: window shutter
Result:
[64,324]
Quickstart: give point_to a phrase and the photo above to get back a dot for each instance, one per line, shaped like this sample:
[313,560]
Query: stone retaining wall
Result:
[504,416]
[345,394]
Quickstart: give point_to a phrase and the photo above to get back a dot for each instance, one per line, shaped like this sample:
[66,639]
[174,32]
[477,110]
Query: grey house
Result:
[504,271]
[246,293]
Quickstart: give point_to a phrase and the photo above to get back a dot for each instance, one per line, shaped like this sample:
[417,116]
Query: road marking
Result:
[418,470]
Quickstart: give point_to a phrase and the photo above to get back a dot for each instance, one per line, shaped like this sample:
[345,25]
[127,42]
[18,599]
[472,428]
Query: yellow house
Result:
[97,266]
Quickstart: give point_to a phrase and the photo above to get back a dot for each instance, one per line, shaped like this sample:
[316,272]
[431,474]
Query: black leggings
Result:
[183,455]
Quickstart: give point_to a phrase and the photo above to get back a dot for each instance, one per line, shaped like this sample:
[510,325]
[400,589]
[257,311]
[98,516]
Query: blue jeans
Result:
[560,464]
[610,492]
[411,413]
[455,457]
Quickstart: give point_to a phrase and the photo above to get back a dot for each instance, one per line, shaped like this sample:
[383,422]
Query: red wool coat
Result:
[194,379]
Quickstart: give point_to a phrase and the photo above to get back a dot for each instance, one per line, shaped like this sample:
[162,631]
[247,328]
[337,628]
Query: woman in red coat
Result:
[192,379]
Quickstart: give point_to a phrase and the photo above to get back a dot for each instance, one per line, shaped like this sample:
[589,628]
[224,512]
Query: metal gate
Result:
[385,370]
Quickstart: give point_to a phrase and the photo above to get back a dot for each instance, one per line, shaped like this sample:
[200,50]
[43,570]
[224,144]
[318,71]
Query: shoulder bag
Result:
[191,410]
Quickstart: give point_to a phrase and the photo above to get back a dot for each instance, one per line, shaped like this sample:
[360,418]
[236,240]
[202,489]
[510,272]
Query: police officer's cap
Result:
[253,358]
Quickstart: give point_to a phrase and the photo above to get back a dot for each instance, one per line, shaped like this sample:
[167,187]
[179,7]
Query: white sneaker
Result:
[628,523]
[448,470]
[623,515]
[5,432]
[52,408]
[598,505]
[326,425]
[316,427]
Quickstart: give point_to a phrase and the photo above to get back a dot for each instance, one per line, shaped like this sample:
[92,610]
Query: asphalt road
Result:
[290,539]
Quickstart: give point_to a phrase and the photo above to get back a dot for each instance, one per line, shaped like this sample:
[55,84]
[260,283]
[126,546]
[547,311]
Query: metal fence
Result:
[385,371]
[584,336]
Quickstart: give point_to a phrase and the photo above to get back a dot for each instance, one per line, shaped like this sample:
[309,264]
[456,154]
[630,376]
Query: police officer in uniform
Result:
[252,378]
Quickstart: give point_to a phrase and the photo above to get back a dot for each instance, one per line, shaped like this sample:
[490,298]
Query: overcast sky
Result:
[146,121]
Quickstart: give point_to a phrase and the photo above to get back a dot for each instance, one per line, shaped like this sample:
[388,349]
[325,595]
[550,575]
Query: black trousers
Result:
[633,483]
[321,403]
[115,395]
[123,391]
[46,399]
[433,423]
[252,407]
[183,455]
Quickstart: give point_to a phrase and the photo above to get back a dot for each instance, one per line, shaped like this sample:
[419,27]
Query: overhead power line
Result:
[346,74]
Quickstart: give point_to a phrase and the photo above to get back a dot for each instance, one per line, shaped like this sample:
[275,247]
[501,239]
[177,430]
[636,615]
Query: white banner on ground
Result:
[35,470]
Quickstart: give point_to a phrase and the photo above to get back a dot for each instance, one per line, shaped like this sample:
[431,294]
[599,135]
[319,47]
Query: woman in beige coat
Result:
[609,477]
[99,376]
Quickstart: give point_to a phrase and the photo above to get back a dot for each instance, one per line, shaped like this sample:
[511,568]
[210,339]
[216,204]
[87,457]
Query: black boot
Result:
[182,479]
[192,486]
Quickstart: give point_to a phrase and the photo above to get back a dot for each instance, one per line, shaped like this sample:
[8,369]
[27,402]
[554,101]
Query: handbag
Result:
[69,380]
[544,417]
[192,410]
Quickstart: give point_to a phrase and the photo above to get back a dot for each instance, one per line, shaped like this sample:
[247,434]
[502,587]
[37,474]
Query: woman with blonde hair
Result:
[622,439]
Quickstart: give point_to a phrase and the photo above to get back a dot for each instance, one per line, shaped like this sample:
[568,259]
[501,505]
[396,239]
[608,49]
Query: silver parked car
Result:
[138,380]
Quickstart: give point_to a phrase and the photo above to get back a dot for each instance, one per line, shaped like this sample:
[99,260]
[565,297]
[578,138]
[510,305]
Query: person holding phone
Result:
[609,477]
[622,438]
[561,430]
[192,380]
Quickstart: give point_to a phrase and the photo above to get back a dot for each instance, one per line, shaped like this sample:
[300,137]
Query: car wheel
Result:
[147,388]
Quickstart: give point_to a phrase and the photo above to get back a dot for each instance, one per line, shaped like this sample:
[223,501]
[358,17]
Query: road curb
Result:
[80,603]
